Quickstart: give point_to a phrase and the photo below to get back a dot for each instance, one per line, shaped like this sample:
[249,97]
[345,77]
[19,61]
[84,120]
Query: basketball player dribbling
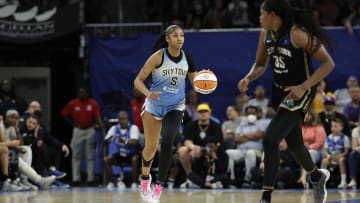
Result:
[164,104]
[290,36]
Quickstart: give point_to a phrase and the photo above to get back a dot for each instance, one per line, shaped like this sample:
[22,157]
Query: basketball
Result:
[205,82]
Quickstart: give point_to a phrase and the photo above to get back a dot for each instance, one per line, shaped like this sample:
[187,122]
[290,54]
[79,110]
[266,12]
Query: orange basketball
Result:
[205,82]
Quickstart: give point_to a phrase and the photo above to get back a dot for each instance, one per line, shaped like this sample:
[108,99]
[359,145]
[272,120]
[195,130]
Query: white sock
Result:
[343,178]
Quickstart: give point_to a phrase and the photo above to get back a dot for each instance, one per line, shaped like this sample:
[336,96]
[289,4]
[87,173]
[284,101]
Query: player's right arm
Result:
[151,63]
[259,67]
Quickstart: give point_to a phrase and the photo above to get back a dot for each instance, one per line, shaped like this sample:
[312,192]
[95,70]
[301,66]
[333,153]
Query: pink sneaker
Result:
[155,197]
[145,189]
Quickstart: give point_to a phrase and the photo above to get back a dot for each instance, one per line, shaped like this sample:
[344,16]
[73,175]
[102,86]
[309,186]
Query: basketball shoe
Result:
[156,193]
[145,189]
[319,187]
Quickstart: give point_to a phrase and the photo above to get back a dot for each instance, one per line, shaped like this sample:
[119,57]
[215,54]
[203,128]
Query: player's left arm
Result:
[318,51]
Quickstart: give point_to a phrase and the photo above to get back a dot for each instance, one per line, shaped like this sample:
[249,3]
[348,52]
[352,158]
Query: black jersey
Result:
[290,65]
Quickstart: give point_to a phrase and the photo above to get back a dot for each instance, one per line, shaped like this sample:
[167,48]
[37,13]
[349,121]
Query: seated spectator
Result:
[314,137]
[352,109]
[51,147]
[202,156]
[260,100]
[336,148]
[215,16]
[35,137]
[23,167]
[229,127]
[124,136]
[237,13]
[318,102]
[240,102]
[192,101]
[342,95]
[330,113]
[248,137]
[354,157]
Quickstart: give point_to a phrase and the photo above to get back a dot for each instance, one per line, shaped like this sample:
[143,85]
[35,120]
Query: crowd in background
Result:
[208,152]
[195,14]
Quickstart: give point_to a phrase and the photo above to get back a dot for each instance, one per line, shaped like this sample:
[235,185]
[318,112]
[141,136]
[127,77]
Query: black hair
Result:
[256,108]
[298,12]
[161,41]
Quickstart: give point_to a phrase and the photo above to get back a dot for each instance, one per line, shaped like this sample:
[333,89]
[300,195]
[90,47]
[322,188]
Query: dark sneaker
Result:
[319,187]
[264,201]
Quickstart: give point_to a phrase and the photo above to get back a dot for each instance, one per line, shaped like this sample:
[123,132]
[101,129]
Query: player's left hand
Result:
[295,92]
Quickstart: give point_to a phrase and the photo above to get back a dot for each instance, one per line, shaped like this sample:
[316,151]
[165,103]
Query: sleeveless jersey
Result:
[123,149]
[337,146]
[169,79]
[290,65]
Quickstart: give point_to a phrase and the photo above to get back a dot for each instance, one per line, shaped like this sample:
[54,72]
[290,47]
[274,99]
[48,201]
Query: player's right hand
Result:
[243,85]
[154,95]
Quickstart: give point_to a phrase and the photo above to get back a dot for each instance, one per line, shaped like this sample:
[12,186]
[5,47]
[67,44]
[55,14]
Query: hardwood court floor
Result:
[101,195]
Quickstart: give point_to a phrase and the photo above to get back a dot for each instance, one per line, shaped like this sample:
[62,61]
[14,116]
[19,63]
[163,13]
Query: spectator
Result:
[352,109]
[9,99]
[83,114]
[330,114]
[5,182]
[248,137]
[197,12]
[124,136]
[229,127]
[353,19]
[314,137]
[240,102]
[260,100]
[215,15]
[342,95]
[136,103]
[23,166]
[336,148]
[318,102]
[48,153]
[192,101]
[354,157]
[237,12]
[203,148]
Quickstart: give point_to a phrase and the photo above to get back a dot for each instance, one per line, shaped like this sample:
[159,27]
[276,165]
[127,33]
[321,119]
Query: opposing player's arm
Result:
[311,44]
[152,62]
[259,67]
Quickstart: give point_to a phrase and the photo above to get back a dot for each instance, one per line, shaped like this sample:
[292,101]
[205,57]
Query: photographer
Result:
[202,155]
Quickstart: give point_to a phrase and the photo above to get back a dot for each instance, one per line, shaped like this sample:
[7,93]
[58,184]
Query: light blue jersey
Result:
[169,79]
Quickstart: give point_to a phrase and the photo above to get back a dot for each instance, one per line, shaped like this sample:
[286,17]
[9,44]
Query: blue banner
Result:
[115,62]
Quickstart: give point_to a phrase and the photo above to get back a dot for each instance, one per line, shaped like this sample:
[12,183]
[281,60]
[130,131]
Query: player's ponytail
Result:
[161,41]
[298,12]
[304,16]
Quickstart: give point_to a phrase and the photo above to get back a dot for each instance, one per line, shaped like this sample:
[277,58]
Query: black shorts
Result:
[304,104]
